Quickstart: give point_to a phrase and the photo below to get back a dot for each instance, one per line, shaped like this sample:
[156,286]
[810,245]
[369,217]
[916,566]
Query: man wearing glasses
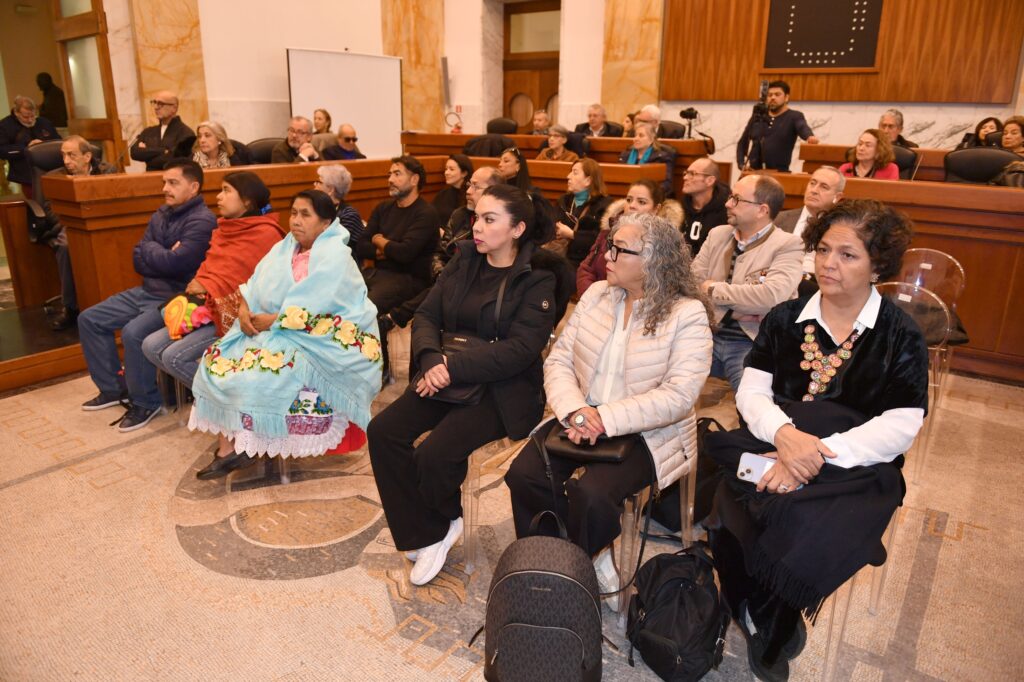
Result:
[704,196]
[746,268]
[298,146]
[346,148]
[156,144]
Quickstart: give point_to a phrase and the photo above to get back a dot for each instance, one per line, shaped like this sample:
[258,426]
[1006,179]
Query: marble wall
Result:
[169,52]
[121,43]
[582,40]
[473,48]
[414,31]
[632,55]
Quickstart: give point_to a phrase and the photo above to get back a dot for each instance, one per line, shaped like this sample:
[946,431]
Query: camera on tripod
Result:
[761,108]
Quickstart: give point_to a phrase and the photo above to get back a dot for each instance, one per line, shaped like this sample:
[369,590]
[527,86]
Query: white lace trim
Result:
[255,444]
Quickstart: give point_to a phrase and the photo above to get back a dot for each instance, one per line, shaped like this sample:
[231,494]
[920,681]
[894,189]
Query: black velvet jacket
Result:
[888,370]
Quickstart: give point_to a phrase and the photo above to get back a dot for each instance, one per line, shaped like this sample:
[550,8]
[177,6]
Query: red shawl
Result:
[238,244]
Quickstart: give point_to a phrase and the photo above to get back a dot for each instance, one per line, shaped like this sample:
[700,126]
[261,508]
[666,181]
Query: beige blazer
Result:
[664,374]
[764,276]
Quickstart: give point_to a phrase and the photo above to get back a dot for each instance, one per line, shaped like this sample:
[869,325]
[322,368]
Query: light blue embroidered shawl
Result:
[325,338]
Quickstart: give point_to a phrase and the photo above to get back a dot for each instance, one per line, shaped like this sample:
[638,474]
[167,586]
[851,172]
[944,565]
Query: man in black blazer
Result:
[597,124]
[155,145]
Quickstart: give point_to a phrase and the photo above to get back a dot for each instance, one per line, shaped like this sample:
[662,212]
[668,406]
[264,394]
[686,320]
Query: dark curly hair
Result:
[886,232]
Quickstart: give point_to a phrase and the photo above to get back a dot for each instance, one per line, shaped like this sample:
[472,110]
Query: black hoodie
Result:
[697,224]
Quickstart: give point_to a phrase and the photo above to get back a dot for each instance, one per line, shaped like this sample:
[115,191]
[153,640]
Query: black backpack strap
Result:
[535,523]
[720,642]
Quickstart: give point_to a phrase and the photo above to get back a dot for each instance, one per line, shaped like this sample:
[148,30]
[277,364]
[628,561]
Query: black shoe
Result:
[66,320]
[778,671]
[796,643]
[222,466]
[136,417]
[105,400]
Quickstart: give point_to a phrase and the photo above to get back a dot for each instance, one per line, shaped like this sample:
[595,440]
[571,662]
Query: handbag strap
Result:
[497,305]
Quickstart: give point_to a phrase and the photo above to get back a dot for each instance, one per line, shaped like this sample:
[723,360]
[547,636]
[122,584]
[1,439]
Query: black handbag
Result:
[453,343]
[607,449]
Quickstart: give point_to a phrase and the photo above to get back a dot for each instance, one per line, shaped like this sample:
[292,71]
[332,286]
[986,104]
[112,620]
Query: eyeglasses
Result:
[736,198]
[158,103]
[350,140]
[614,251]
[690,174]
[513,151]
[293,131]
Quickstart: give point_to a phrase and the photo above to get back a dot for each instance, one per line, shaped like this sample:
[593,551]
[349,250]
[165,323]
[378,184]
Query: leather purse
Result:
[613,449]
[453,343]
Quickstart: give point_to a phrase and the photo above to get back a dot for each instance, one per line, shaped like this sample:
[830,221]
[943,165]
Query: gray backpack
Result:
[543,612]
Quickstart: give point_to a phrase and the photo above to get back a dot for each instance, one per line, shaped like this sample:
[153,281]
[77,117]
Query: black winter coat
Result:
[512,365]
[588,226]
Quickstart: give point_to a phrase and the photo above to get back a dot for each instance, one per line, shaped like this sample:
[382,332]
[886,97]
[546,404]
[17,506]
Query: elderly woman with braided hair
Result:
[631,360]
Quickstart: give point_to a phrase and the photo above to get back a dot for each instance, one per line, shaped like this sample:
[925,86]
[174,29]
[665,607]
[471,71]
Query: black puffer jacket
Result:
[512,365]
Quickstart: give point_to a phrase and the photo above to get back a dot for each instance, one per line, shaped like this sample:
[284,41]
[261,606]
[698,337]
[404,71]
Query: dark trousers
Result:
[773,618]
[420,487]
[590,506]
[388,290]
[403,314]
[68,296]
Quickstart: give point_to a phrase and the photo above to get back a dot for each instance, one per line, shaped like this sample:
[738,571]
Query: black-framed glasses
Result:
[736,198]
[158,103]
[614,251]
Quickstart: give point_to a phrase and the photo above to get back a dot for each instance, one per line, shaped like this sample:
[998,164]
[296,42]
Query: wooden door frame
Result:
[92,23]
[526,61]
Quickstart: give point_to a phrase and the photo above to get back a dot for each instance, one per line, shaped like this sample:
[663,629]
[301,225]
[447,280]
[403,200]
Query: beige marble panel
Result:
[632,55]
[414,31]
[169,53]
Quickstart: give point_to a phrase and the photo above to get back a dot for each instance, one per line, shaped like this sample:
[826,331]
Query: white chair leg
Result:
[836,626]
[286,466]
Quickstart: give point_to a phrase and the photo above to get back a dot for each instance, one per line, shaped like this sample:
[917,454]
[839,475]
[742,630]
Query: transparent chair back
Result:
[936,271]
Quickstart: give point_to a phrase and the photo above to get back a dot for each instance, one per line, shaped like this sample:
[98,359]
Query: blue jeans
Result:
[728,354]
[137,314]
[179,358]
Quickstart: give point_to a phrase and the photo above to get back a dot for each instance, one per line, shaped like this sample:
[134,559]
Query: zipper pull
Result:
[494,657]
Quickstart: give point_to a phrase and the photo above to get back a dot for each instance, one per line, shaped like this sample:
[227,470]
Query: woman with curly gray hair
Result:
[631,360]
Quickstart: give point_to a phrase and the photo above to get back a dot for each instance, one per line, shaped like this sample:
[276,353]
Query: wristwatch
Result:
[579,419]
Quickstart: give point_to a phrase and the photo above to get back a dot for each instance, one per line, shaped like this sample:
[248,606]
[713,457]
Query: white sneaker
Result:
[430,560]
[607,577]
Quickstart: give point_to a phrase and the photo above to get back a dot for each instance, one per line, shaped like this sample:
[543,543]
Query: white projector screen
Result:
[361,89]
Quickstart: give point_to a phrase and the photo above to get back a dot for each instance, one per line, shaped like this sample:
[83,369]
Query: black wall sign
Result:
[822,34]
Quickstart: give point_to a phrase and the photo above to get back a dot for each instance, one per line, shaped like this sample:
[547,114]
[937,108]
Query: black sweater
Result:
[412,234]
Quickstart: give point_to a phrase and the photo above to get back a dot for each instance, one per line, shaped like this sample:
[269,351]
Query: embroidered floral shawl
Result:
[325,338]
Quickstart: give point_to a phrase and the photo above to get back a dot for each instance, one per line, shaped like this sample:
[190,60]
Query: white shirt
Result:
[880,439]
[163,129]
[742,244]
[609,383]
[798,230]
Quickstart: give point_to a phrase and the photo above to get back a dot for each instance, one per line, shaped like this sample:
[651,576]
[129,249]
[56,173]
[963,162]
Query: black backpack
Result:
[677,620]
[543,612]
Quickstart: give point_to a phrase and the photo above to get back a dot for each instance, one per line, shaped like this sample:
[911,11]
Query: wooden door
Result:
[530,65]
[80,28]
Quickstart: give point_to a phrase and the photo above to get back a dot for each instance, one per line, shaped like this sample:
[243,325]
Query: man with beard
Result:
[771,141]
[167,257]
[399,241]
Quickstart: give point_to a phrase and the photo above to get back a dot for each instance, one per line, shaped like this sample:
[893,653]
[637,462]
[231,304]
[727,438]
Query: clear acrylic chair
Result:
[471,500]
[944,276]
[933,317]
[175,395]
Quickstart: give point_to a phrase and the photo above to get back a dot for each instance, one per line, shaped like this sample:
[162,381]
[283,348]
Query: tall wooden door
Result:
[531,60]
[80,27]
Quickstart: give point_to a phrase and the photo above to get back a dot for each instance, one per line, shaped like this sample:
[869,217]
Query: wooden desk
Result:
[602,149]
[814,156]
[983,228]
[34,273]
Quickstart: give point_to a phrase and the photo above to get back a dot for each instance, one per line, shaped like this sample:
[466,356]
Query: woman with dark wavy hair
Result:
[834,392]
[632,359]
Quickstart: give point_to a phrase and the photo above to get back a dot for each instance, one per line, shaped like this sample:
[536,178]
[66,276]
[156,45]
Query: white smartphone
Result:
[753,467]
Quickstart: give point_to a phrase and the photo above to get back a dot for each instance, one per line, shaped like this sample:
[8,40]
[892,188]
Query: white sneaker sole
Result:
[441,556]
[97,408]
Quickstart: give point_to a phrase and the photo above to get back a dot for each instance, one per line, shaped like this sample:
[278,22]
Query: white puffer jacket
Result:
[664,374]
